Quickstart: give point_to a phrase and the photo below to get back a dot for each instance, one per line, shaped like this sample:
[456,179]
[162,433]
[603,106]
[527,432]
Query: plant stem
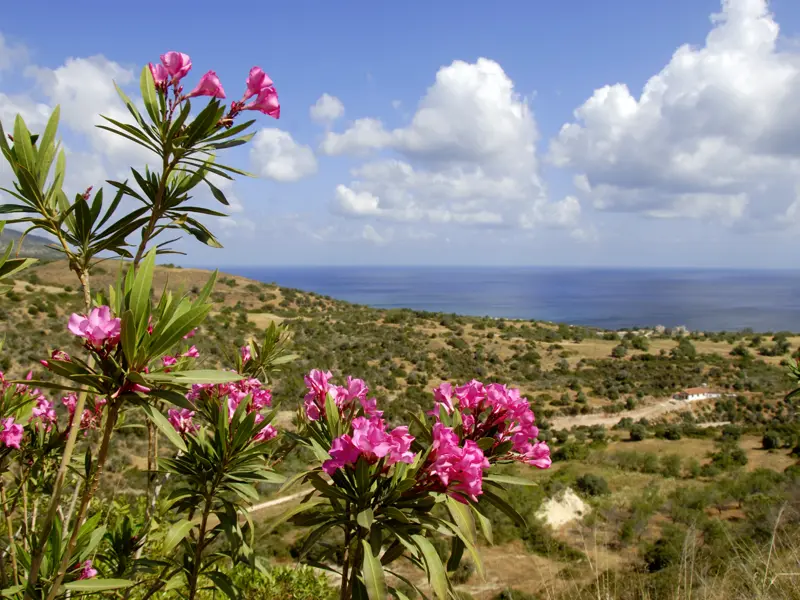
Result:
[10,531]
[66,458]
[346,561]
[89,491]
[198,551]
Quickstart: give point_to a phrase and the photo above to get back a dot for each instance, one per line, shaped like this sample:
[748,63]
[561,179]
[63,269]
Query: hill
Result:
[671,495]
[33,246]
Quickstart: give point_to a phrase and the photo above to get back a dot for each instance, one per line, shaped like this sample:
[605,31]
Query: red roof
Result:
[698,390]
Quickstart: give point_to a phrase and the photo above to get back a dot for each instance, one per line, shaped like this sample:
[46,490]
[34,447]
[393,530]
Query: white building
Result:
[696,393]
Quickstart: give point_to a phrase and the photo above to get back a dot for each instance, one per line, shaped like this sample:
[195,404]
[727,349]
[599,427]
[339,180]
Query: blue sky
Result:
[573,133]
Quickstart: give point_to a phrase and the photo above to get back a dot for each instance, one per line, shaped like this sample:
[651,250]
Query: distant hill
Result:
[34,246]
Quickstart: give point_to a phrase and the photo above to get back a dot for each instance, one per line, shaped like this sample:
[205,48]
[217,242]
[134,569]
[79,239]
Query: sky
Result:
[613,133]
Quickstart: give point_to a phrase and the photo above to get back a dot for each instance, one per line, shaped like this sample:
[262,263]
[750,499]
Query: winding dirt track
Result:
[650,411]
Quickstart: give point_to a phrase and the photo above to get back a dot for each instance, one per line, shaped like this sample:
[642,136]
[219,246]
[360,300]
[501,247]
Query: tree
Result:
[638,433]
[592,485]
[619,351]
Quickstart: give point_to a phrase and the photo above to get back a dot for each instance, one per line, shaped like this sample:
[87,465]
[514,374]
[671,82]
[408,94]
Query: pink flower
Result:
[10,433]
[98,328]
[87,572]
[370,406]
[400,442]
[169,360]
[261,400]
[459,469]
[176,64]
[60,355]
[88,420]
[191,353]
[342,452]
[314,400]
[443,396]
[44,411]
[370,437]
[266,102]
[267,433]
[160,74]
[181,420]
[209,85]
[245,350]
[70,401]
[470,394]
[257,80]
[538,455]
[191,334]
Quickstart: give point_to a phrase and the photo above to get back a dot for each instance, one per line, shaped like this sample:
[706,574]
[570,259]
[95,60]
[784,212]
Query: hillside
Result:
[654,474]
[34,246]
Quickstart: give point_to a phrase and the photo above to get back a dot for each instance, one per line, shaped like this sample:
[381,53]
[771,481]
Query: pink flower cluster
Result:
[319,386]
[497,412]
[181,420]
[99,328]
[10,433]
[371,440]
[232,394]
[89,418]
[176,65]
[87,571]
[458,468]
[170,361]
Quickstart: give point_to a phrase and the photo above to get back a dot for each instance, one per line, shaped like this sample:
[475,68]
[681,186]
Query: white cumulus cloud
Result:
[467,156]
[327,109]
[277,156]
[714,135]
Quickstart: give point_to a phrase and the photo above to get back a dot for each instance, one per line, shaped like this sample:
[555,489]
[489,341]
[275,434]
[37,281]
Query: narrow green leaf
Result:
[165,427]
[511,480]
[217,193]
[148,89]
[97,585]
[140,292]
[433,565]
[175,534]
[374,578]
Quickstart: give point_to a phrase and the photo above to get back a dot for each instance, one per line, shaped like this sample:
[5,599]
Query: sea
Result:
[699,299]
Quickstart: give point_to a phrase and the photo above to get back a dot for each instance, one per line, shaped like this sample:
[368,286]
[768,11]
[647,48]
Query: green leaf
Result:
[433,565]
[510,479]
[164,425]
[217,193]
[128,336]
[12,591]
[365,518]
[198,376]
[456,552]
[175,534]
[462,517]
[148,89]
[224,583]
[485,525]
[140,292]
[97,585]
[374,578]
[332,415]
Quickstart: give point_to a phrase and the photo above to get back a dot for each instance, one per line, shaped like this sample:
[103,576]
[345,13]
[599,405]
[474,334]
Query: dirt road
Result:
[651,411]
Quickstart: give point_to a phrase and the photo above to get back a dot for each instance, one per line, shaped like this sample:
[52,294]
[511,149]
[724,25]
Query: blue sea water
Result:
[700,299]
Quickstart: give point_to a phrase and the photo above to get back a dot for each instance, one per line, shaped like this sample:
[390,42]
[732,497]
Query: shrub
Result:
[592,485]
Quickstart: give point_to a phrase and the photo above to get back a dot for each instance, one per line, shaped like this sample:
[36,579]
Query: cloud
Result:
[327,109]
[467,156]
[370,235]
[12,55]
[277,156]
[715,135]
